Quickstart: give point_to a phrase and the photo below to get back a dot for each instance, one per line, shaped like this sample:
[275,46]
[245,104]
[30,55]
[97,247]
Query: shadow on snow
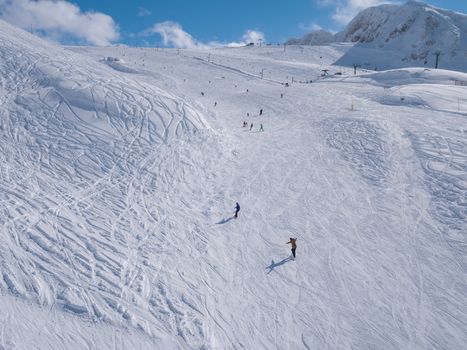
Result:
[274,265]
[224,221]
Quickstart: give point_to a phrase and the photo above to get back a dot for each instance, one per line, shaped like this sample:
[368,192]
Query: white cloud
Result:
[142,11]
[250,36]
[172,34]
[59,20]
[253,36]
[345,10]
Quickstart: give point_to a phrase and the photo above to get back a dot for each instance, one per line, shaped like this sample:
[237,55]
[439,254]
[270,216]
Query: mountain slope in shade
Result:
[316,37]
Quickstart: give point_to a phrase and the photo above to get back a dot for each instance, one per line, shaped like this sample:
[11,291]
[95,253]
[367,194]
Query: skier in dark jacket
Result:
[293,242]
[237,209]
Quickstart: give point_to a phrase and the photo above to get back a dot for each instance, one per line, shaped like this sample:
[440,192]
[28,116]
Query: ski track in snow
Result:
[118,183]
[361,145]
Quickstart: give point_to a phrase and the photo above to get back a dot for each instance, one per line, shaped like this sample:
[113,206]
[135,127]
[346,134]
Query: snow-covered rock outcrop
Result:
[414,33]
[415,29]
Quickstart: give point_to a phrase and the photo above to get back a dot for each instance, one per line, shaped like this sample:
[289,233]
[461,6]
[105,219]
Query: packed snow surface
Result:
[120,168]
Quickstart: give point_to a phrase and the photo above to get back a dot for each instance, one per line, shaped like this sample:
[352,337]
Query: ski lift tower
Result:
[355,66]
[437,54]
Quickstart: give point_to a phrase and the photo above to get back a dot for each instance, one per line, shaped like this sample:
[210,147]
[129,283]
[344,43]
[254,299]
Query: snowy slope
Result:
[89,159]
[119,180]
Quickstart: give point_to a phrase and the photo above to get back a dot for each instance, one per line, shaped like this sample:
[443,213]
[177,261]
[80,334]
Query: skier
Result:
[293,242]
[260,112]
[261,127]
[237,209]
[215,104]
[282,95]
[251,126]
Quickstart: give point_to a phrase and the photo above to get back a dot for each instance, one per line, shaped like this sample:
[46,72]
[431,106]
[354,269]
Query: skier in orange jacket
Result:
[293,242]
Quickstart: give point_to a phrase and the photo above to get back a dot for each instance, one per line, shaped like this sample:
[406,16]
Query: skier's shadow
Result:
[224,221]
[276,264]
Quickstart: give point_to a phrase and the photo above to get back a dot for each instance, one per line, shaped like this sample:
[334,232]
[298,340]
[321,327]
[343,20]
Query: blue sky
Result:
[132,22]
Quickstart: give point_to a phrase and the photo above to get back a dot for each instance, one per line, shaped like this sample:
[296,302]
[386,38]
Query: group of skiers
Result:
[292,241]
[245,125]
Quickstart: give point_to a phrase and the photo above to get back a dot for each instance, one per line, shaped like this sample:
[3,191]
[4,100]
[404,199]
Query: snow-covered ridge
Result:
[411,76]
